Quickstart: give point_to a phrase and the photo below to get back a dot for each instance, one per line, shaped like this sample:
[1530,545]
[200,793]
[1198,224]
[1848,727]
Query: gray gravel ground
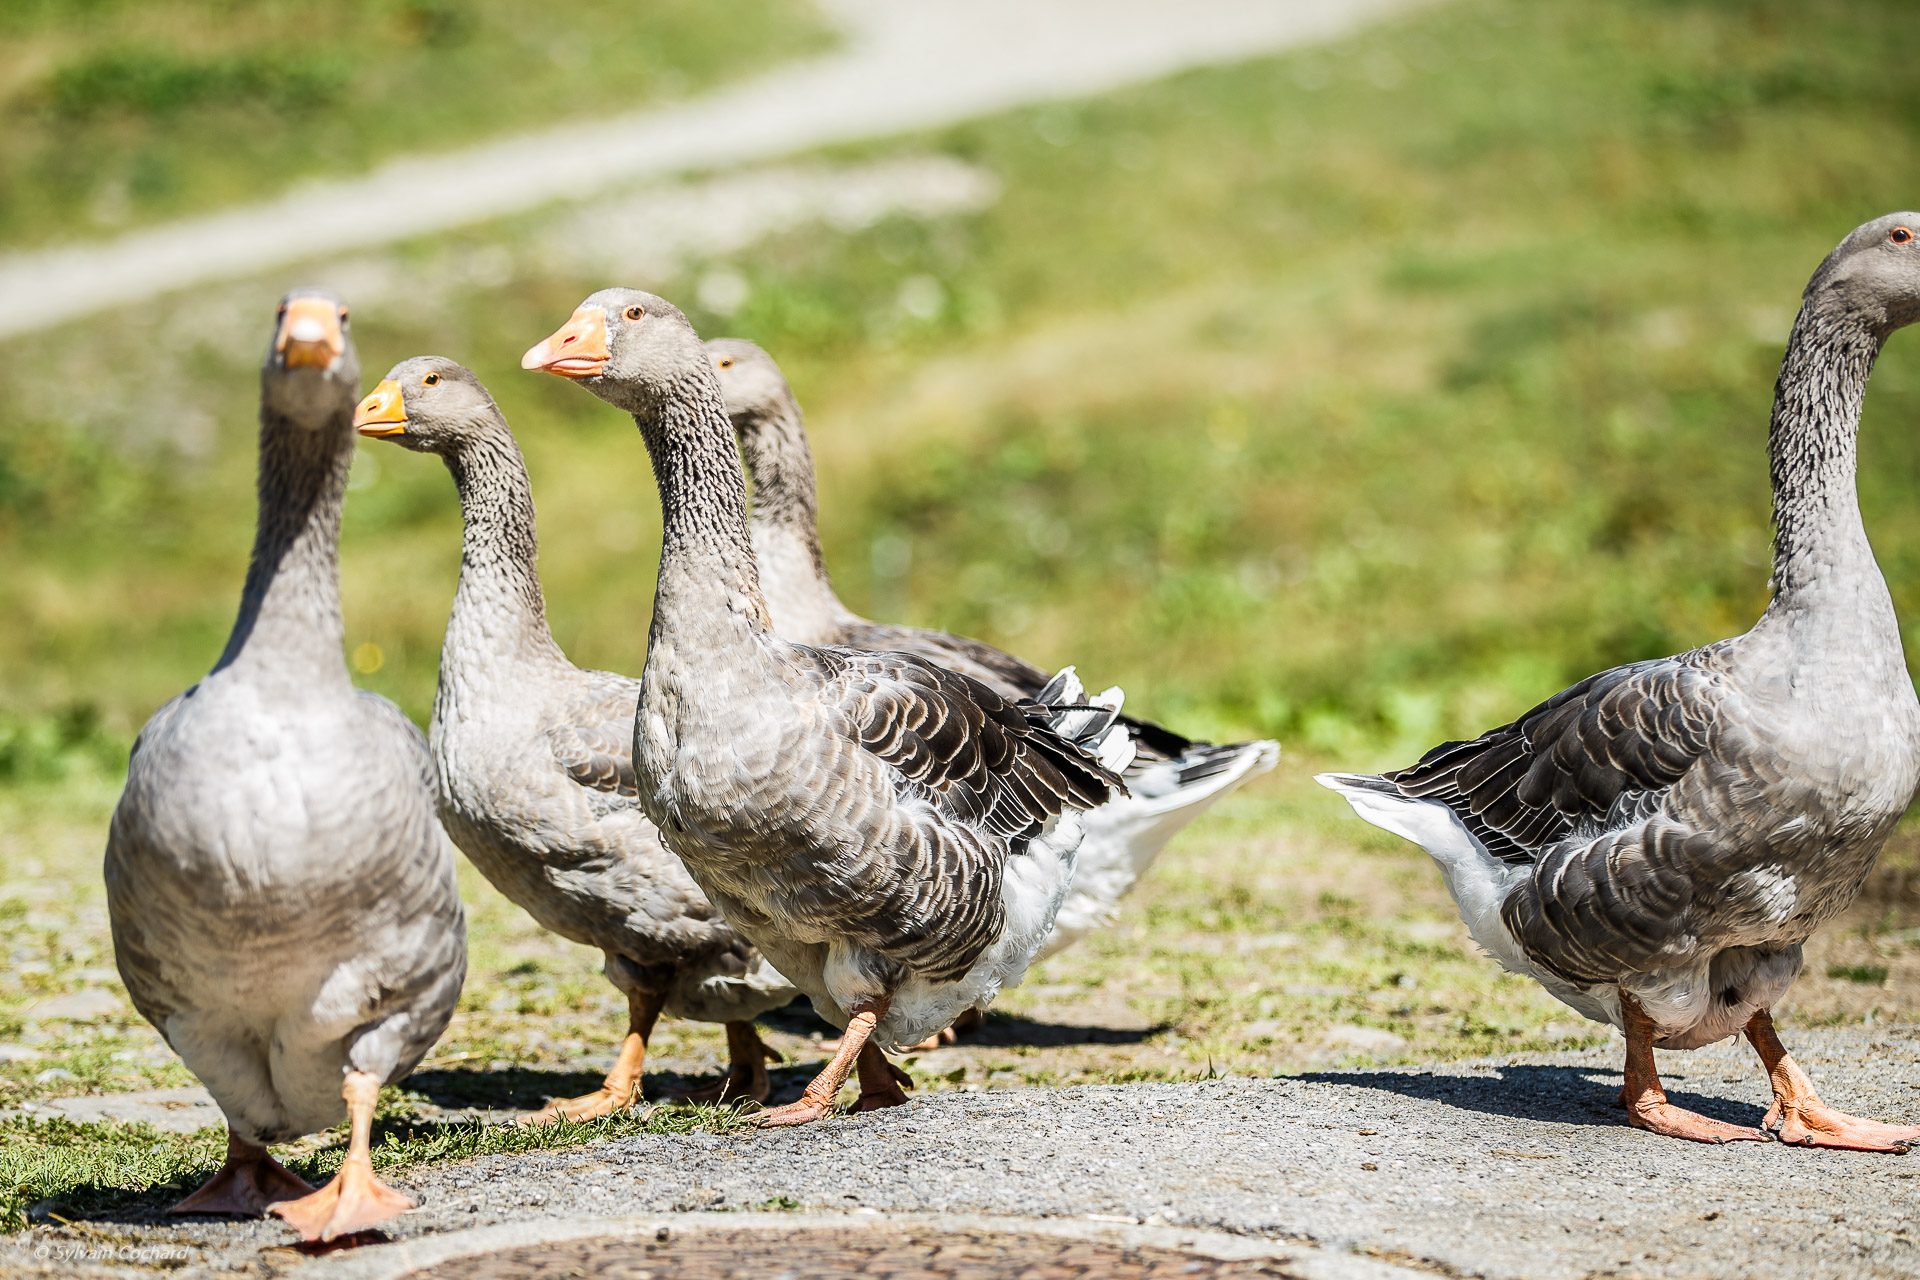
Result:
[1505,1168]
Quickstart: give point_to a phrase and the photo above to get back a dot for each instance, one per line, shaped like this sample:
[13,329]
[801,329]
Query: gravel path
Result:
[1510,1169]
[899,67]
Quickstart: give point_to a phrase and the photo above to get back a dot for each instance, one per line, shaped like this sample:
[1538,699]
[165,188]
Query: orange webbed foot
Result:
[600,1103]
[245,1187]
[1662,1117]
[355,1200]
[1815,1124]
[804,1110]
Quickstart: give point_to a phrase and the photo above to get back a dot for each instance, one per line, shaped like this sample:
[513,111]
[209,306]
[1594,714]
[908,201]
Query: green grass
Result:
[1358,397]
[114,113]
[65,1170]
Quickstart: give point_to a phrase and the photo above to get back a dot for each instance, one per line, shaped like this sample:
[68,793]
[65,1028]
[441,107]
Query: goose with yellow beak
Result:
[535,761]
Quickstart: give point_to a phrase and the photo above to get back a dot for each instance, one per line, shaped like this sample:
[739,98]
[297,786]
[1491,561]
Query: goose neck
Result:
[785,527]
[499,610]
[1821,553]
[708,586]
[289,619]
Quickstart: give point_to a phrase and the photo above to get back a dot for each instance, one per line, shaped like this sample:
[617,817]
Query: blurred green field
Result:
[114,113]
[1358,397]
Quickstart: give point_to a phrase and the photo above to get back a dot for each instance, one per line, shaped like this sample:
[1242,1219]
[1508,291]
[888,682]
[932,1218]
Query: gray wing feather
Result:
[1584,788]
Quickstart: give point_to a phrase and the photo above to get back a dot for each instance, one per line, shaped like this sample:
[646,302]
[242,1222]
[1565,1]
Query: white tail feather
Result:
[1127,833]
[1478,881]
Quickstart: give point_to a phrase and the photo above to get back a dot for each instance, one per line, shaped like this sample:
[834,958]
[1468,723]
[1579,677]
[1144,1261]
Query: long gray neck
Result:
[1822,562]
[708,594]
[499,614]
[786,527]
[289,623]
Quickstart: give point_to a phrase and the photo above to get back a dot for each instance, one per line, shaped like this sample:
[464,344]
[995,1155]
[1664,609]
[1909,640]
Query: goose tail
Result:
[1478,881]
[1092,723]
[1126,834]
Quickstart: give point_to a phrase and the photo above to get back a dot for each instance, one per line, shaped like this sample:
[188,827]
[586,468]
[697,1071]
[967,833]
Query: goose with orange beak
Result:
[283,901]
[535,762]
[896,838]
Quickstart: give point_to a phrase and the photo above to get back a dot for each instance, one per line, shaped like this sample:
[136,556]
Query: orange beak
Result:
[310,336]
[383,413]
[577,349]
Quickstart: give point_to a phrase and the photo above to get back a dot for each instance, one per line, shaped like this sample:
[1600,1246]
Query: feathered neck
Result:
[499,612]
[289,620]
[785,528]
[708,585]
[1821,551]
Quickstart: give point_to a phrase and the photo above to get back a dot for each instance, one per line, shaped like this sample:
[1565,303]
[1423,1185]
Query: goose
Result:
[1173,779]
[895,837]
[281,896]
[535,760]
[1654,844]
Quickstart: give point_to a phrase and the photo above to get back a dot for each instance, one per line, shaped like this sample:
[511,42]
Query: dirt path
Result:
[1505,1169]
[899,67]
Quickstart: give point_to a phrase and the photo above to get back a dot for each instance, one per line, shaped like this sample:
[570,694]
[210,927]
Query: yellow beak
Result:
[383,413]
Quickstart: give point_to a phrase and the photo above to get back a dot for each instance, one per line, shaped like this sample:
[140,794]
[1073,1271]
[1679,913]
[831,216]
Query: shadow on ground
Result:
[1010,1030]
[1562,1095]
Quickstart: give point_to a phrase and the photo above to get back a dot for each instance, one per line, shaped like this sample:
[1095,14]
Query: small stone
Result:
[53,1075]
[18,1053]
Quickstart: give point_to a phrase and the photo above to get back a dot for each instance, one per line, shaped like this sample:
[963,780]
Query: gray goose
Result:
[535,759]
[1655,844]
[895,837]
[1172,781]
[283,901]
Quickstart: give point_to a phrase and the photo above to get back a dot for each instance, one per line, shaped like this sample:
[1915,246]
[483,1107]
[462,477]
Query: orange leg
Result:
[1646,1102]
[247,1183]
[621,1089]
[747,1059]
[355,1199]
[817,1101]
[881,1083]
[1800,1118]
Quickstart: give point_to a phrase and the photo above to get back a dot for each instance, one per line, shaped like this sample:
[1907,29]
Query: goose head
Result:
[751,383]
[633,349]
[429,404]
[311,368]
[1873,276]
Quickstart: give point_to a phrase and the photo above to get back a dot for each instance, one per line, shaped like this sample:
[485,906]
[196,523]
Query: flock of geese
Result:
[895,823]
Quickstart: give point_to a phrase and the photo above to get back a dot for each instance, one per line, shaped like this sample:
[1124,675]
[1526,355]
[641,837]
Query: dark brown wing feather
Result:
[1576,760]
[981,757]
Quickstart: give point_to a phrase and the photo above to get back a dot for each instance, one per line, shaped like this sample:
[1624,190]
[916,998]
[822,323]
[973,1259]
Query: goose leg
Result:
[1798,1115]
[817,1101]
[1645,1099]
[247,1183]
[882,1084]
[747,1059]
[356,1199]
[621,1089]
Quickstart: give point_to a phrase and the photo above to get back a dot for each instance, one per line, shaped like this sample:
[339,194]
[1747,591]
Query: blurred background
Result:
[1358,385]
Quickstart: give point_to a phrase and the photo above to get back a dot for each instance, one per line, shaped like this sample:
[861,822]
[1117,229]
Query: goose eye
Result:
[1900,235]
[726,362]
[343,317]
[430,379]
[635,311]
